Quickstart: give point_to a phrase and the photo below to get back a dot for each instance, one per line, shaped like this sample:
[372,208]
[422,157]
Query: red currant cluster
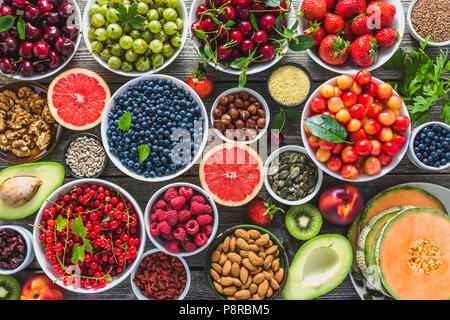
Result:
[111,228]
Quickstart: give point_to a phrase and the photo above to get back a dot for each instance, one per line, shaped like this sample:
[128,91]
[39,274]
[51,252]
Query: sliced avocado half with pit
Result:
[319,266]
[25,187]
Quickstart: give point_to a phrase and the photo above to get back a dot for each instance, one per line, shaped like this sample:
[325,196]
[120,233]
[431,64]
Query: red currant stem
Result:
[38,226]
[54,203]
[126,206]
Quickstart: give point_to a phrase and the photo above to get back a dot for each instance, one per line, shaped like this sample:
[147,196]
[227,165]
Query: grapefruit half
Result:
[77,99]
[232,174]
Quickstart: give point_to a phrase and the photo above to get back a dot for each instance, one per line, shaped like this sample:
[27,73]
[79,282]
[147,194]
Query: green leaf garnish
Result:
[301,43]
[144,152]
[242,78]
[61,223]
[326,128]
[125,121]
[78,227]
[21,28]
[77,254]
[6,22]
[293,115]
[130,16]
[254,21]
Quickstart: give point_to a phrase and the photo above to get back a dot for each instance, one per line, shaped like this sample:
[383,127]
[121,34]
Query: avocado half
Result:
[319,266]
[25,187]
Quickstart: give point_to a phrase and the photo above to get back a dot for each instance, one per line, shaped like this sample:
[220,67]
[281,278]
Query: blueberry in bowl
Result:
[156,128]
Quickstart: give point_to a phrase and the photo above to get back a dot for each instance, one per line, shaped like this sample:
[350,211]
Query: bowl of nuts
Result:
[16,249]
[247,262]
[240,114]
[28,131]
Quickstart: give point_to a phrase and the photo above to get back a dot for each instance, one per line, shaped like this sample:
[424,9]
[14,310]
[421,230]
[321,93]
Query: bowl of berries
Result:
[356,127]
[89,235]
[352,34]
[132,39]
[181,219]
[39,37]
[241,35]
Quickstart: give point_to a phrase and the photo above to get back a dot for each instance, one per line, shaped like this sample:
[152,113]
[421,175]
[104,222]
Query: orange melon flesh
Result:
[352,236]
[402,231]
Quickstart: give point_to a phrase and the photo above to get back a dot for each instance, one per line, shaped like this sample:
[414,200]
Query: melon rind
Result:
[352,237]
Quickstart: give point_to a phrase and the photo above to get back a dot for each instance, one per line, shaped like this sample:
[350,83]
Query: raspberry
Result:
[170,194]
[178,202]
[184,215]
[181,225]
[172,217]
[204,219]
[153,218]
[208,209]
[172,246]
[200,239]
[165,227]
[168,236]
[197,208]
[199,199]
[192,227]
[189,246]
[154,230]
[207,229]
[186,192]
[161,204]
[161,215]
[179,234]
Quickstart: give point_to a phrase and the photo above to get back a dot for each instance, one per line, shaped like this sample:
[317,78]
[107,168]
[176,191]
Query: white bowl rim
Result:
[157,195]
[266,179]
[261,100]
[28,238]
[412,155]
[361,178]
[348,68]
[136,291]
[184,36]
[123,88]
[78,19]
[415,34]
[260,67]
[43,262]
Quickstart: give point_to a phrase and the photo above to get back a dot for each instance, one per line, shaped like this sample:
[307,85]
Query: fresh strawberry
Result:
[364,50]
[347,33]
[350,8]
[186,192]
[333,23]
[260,212]
[202,84]
[386,37]
[314,10]
[330,4]
[381,13]
[362,25]
[178,202]
[334,50]
[316,31]
[170,194]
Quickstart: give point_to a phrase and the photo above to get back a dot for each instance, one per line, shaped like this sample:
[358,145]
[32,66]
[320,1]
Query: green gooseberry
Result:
[156,46]
[180,24]
[170,14]
[168,50]
[154,26]
[97,47]
[101,34]
[170,28]
[116,50]
[115,31]
[131,56]
[143,64]
[105,54]
[157,60]
[126,42]
[139,46]
[147,36]
[134,34]
[126,66]
[152,15]
[176,41]
[98,20]
[114,63]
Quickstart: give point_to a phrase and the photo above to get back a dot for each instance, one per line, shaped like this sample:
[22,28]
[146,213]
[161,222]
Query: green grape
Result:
[170,28]
[131,56]
[105,54]
[161,36]
[93,9]
[116,50]
[142,8]
[173,4]
[168,50]
[114,62]
[97,46]
[126,42]
[103,9]
[134,34]
[143,64]
[180,24]
[139,46]
[101,34]
[157,60]
[156,46]
[154,26]
[111,15]
[176,41]
[127,67]
[152,15]
[97,20]
[115,31]
[91,33]
[147,35]
[170,14]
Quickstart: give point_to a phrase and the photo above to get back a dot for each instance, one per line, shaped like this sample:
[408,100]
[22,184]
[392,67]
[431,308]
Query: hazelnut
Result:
[223,100]
[252,99]
[261,122]
[239,103]
[252,109]
[244,115]
[244,95]
[250,123]
[230,126]
[236,96]
[234,114]
[261,112]
[218,125]
[217,113]
[231,106]
[246,103]
[222,108]
[239,124]
[225,119]
[230,98]
[255,117]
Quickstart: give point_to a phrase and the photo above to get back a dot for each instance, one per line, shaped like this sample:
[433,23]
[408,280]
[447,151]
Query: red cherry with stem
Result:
[224,53]
[26,50]
[243,13]
[258,8]
[6,10]
[51,33]
[268,21]
[52,18]
[236,53]
[260,36]
[247,45]
[66,10]
[237,36]
[229,13]
[41,50]
[4,35]
[64,46]
[10,46]
[7,65]
[223,33]
[31,13]
[200,9]
[70,31]
[19,4]
[45,6]
[209,24]
[268,52]
[31,32]
[242,2]
[26,68]
[245,27]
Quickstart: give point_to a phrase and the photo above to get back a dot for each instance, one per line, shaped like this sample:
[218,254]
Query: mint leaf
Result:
[78,227]
[130,16]
[125,121]
[6,22]
[144,152]
[326,128]
[61,223]
[77,254]
[21,28]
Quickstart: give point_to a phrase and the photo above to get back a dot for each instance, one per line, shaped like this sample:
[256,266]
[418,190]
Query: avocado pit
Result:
[18,191]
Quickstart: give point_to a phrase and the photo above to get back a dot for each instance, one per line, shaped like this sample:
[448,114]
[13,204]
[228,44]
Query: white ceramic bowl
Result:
[261,100]
[111,104]
[76,20]
[28,239]
[159,243]
[361,178]
[275,155]
[415,34]
[384,54]
[182,11]
[412,155]
[251,70]
[137,291]
[40,255]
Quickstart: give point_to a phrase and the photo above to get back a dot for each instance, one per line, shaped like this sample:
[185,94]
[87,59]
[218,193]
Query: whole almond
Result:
[258,270]
[262,254]
[263,240]
[243,253]
[256,297]
[241,233]
[234,257]
[274,284]
[253,288]
[231,298]
[271,250]
[215,256]
[246,262]
[254,234]
[226,281]
[217,267]
[242,294]
[262,288]
[276,264]
[220,247]
[258,278]
[253,247]
[269,292]
[235,269]
[242,244]
[218,287]
[226,269]
[267,275]
[237,282]
[243,274]
[269,244]
[254,259]
[214,274]
[251,241]
[248,283]
[223,258]
[230,290]
[233,243]
[268,261]
[279,275]
[226,244]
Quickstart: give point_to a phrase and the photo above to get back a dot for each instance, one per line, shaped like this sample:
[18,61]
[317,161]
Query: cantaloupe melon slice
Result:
[352,237]
[413,255]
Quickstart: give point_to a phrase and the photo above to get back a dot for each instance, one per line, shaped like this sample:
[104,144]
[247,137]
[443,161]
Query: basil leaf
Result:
[326,128]
[254,21]
[125,121]
[144,152]
[6,22]
[301,43]
[293,114]
[21,28]
[277,121]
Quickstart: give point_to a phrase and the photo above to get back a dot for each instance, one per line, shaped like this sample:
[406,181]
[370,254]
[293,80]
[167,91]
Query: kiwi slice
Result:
[304,221]
[9,288]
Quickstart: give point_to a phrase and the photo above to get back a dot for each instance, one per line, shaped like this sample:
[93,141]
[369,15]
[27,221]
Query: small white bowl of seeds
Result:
[84,156]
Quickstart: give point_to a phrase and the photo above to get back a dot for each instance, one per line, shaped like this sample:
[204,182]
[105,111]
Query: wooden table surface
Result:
[181,68]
